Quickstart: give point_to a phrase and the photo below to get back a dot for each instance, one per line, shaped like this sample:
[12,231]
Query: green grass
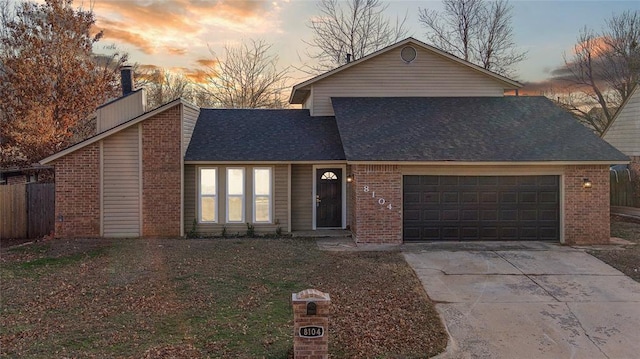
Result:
[204,298]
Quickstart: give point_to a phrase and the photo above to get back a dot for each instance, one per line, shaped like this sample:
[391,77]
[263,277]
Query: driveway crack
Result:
[585,331]
[530,277]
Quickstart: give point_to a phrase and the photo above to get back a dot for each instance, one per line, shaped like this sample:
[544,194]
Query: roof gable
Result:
[465,129]
[114,130]
[300,91]
[624,130]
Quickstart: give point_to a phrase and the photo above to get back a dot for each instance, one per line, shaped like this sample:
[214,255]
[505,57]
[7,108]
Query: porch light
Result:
[586,183]
[349,178]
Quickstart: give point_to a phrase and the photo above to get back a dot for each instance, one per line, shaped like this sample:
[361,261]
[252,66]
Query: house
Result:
[624,134]
[408,143]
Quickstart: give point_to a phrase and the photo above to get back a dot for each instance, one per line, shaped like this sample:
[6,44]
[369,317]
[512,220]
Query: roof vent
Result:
[408,54]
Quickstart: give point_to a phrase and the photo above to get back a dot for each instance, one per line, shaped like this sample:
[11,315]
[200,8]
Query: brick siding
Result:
[586,210]
[373,221]
[77,193]
[161,174]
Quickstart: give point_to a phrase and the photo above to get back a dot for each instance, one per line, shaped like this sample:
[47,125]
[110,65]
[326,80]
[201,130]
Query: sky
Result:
[179,34]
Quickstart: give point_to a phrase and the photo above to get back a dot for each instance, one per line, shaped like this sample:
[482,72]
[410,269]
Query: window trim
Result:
[214,196]
[242,197]
[269,196]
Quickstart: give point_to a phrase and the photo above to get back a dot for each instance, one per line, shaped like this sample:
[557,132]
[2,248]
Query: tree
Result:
[476,31]
[247,77]
[163,85]
[602,71]
[50,81]
[356,28]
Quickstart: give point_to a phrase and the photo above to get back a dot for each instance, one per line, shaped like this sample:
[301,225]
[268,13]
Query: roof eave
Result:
[489,163]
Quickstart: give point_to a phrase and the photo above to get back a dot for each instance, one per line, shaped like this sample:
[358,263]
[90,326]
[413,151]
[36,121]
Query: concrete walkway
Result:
[536,300]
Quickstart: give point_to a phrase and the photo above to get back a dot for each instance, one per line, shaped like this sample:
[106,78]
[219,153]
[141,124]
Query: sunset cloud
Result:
[207,62]
[175,27]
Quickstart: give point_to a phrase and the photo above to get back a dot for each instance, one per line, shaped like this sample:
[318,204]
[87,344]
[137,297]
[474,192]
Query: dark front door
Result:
[486,208]
[329,197]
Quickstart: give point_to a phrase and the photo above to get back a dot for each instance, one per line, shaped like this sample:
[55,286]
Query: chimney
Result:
[348,58]
[126,79]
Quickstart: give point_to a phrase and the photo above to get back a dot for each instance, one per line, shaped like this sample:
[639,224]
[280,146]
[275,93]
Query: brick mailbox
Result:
[310,324]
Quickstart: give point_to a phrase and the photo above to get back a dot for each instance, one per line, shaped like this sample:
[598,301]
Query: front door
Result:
[329,197]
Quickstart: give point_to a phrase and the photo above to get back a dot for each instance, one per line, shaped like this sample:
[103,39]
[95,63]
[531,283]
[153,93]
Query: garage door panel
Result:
[482,208]
[548,197]
[470,197]
[411,197]
[450,197]
[470,215]
[548,215]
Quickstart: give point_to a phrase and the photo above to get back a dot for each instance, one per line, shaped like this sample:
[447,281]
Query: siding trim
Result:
[182,153]
[289,198]
[101,181]
[141,179]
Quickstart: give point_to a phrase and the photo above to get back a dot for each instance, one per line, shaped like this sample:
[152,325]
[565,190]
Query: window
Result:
[207,199]
[329,176]
[235,195]
[262,189]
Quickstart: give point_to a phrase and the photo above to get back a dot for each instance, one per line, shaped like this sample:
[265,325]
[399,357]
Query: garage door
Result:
[487,208]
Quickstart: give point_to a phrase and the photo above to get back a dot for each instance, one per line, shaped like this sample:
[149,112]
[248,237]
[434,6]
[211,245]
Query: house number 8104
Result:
[381,201]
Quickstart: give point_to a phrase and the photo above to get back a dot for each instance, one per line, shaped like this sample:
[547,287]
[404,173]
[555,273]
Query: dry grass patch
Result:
[626,260]
[205,298]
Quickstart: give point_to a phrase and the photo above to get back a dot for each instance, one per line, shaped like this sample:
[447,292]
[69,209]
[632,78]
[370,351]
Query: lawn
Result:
[627,259]
[205,298]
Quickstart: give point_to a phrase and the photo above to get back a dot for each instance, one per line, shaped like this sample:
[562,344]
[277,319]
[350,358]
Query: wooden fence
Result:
[621,188]
[27,210]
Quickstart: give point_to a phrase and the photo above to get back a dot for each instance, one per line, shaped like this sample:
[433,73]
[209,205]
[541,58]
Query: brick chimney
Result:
[126,79]
[130,105]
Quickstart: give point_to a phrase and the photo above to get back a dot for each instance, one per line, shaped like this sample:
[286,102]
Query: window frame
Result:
[242,196]
[269,196]
[214,196]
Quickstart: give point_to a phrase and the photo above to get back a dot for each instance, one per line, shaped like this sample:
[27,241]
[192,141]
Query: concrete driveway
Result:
[514,300]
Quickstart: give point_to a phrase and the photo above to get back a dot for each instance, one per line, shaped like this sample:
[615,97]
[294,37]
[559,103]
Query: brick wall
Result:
[586,210]
[161,174]
[634,167]
[77,193]
[374,188]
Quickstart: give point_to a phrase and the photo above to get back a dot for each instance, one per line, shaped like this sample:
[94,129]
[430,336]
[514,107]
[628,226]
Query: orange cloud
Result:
[597,46]
[207,62]
[149,25]
[176,50]
[114,30]
[198,76]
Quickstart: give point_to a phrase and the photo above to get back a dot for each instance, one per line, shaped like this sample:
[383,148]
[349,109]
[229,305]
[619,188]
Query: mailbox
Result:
[310,324]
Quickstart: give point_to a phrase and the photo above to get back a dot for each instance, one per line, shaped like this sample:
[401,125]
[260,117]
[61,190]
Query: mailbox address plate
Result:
[311,331]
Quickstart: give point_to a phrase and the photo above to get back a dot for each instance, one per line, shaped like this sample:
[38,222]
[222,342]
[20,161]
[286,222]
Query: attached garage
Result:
[488,208]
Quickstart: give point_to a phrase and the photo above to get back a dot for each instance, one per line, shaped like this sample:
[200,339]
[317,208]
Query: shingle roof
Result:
[264,135]
[465,129]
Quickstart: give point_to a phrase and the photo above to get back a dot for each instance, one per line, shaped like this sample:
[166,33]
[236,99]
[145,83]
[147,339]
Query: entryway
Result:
[329,183]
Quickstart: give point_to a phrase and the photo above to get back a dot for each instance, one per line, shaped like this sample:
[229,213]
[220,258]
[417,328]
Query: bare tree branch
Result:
[247,77]
[357,28]
[603,70]
[476,31]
